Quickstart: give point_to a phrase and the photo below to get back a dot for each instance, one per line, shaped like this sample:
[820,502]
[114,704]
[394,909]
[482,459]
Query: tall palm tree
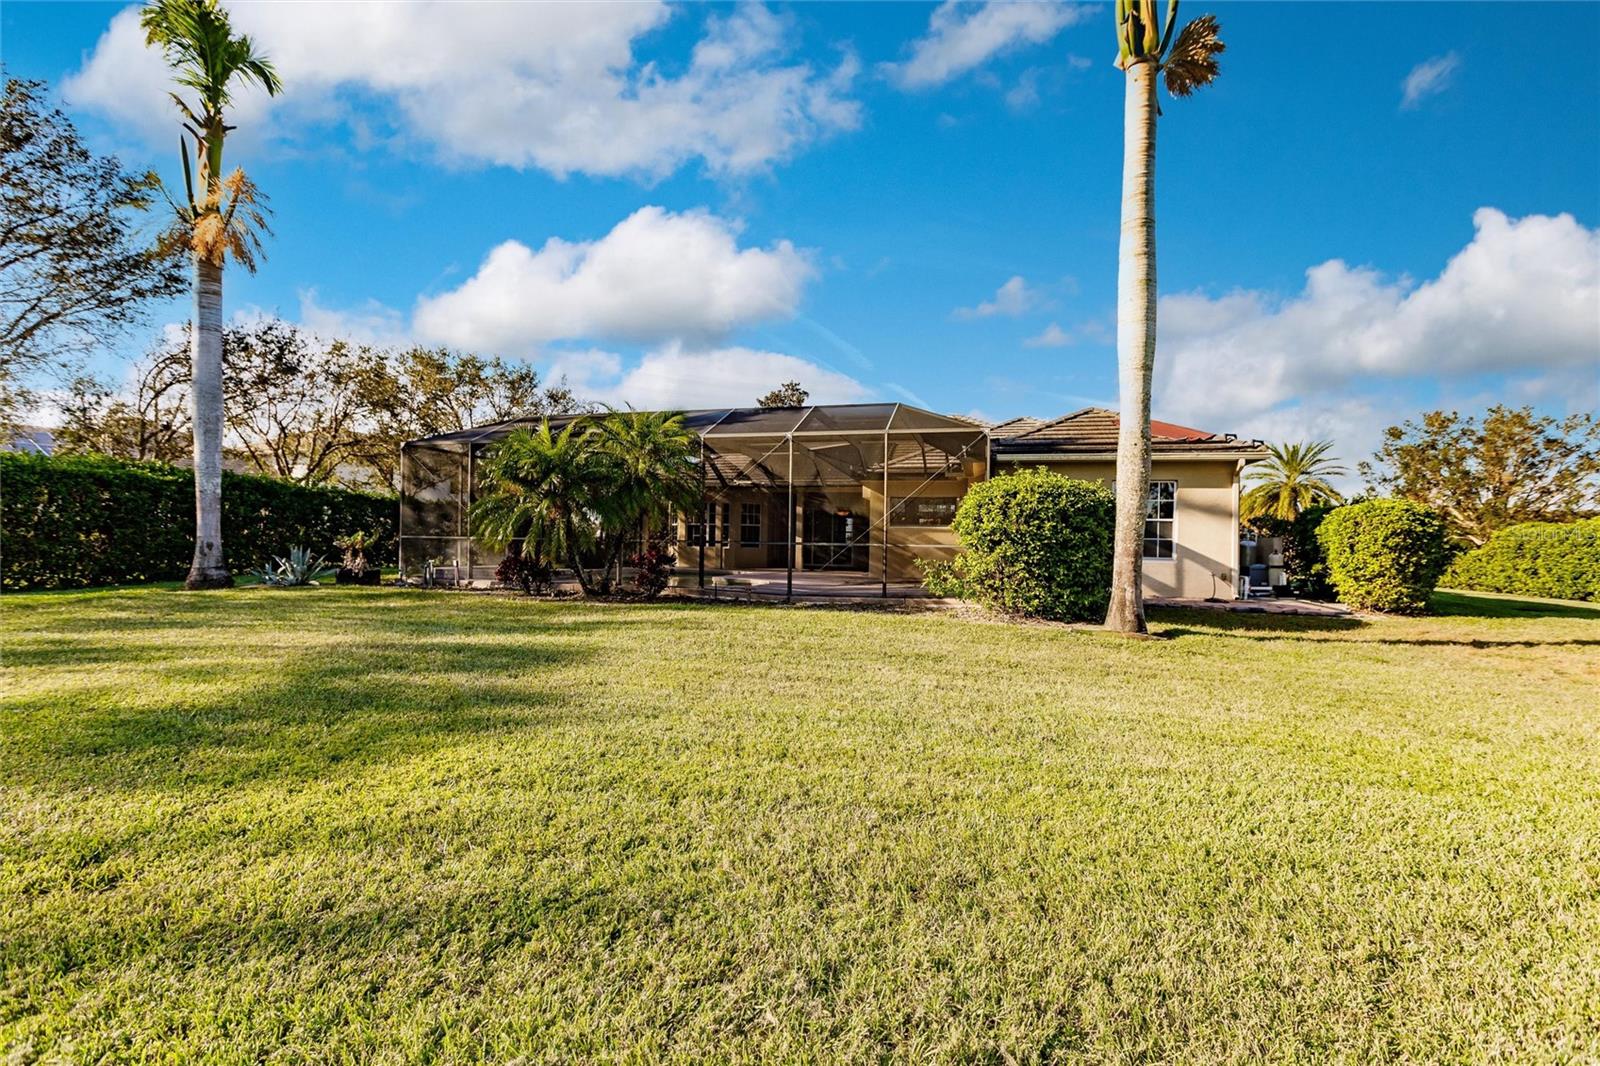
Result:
[654,473]
[1294,479]
[218,217]
[546,490]
[1189,63]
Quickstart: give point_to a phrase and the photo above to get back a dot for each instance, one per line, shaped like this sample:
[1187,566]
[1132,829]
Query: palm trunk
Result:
[574,556]
[1136,346]
[208,570]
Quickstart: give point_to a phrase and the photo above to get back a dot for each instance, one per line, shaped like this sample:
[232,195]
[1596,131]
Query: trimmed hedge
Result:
[1384,555]
[82,520]
[1560,560]
[1035,543]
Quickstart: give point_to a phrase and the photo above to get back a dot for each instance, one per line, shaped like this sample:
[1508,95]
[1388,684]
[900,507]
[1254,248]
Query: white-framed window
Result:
[1161,520]
[727,511]
[750,525]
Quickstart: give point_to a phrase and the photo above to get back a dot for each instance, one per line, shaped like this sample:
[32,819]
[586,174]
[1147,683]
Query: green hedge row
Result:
[1556,559]
[77,521]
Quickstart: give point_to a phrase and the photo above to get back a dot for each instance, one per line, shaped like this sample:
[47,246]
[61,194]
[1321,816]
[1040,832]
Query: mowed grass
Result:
[391,826]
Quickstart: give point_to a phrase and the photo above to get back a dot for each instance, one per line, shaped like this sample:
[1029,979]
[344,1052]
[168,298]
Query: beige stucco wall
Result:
[1205,535]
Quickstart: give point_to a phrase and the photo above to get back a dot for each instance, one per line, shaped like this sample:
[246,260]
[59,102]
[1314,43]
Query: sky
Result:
[1378,209]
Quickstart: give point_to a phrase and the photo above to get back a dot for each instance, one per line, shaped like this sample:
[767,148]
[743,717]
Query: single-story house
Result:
[808,488]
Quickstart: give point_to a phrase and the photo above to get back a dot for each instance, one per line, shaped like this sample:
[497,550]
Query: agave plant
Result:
[298,568]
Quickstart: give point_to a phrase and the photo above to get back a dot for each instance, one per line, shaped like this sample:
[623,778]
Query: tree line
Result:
[298,407]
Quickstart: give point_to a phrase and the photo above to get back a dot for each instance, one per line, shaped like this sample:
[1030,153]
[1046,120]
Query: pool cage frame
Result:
[829,487]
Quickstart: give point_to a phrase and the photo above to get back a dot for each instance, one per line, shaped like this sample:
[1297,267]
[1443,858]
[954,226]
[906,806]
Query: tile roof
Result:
[1094,429]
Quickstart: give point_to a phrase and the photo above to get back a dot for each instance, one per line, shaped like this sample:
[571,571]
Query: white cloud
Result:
[370,323]
[1013,298]
[553,86]
[1428,78]
[1522,298]
[1053,336]
[656,276]
[677,377]
[1024,94]
[963,36]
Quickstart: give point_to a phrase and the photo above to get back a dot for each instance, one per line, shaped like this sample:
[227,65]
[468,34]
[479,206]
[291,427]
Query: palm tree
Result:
[223,216]
[654,473]
[1188,64]
[545,490]
[1294,479]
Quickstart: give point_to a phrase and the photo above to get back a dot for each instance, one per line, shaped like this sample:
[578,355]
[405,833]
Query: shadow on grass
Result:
[1488,605]
[1269,627]
[1261,625]
[247,717]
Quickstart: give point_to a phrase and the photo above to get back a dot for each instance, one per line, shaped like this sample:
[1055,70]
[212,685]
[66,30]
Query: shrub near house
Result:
[1556,559]
[1384,555]
[77,521]
[1033,543]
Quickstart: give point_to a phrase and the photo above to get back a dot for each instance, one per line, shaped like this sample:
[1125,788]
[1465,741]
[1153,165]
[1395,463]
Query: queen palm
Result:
[217,218]
[652,470]
[1145,48]
[1294,479]
[545,490]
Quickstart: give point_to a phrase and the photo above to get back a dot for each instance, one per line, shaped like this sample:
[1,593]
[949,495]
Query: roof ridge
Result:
[1069,416]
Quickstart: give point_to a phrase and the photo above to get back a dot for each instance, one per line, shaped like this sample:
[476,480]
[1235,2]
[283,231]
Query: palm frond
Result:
[1192,63]
[231,222]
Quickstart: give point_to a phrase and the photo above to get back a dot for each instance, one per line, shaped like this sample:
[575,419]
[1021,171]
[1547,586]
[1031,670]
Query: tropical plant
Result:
[297,569]
[545,489]
[218,217]
[652,570]
[521,571]
[654,473]
[1145,48]
[1294,479]
[355,547]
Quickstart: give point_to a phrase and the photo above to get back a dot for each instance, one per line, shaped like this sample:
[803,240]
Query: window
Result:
[750,525]
[694,527]
[726,511]
[922,510]
[1160,519]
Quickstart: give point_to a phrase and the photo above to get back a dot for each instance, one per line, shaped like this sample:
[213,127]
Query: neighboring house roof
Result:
[1093,431]
[40,440]
[1014,426]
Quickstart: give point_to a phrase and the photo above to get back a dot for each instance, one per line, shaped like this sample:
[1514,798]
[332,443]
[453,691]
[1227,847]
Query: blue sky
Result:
[1377,209]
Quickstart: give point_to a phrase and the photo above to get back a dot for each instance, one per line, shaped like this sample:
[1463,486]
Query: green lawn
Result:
[378,825]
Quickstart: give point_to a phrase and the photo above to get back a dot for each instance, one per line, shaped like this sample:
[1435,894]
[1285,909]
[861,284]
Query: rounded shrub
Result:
[1384,555]
[1034,543]
[1556,559]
